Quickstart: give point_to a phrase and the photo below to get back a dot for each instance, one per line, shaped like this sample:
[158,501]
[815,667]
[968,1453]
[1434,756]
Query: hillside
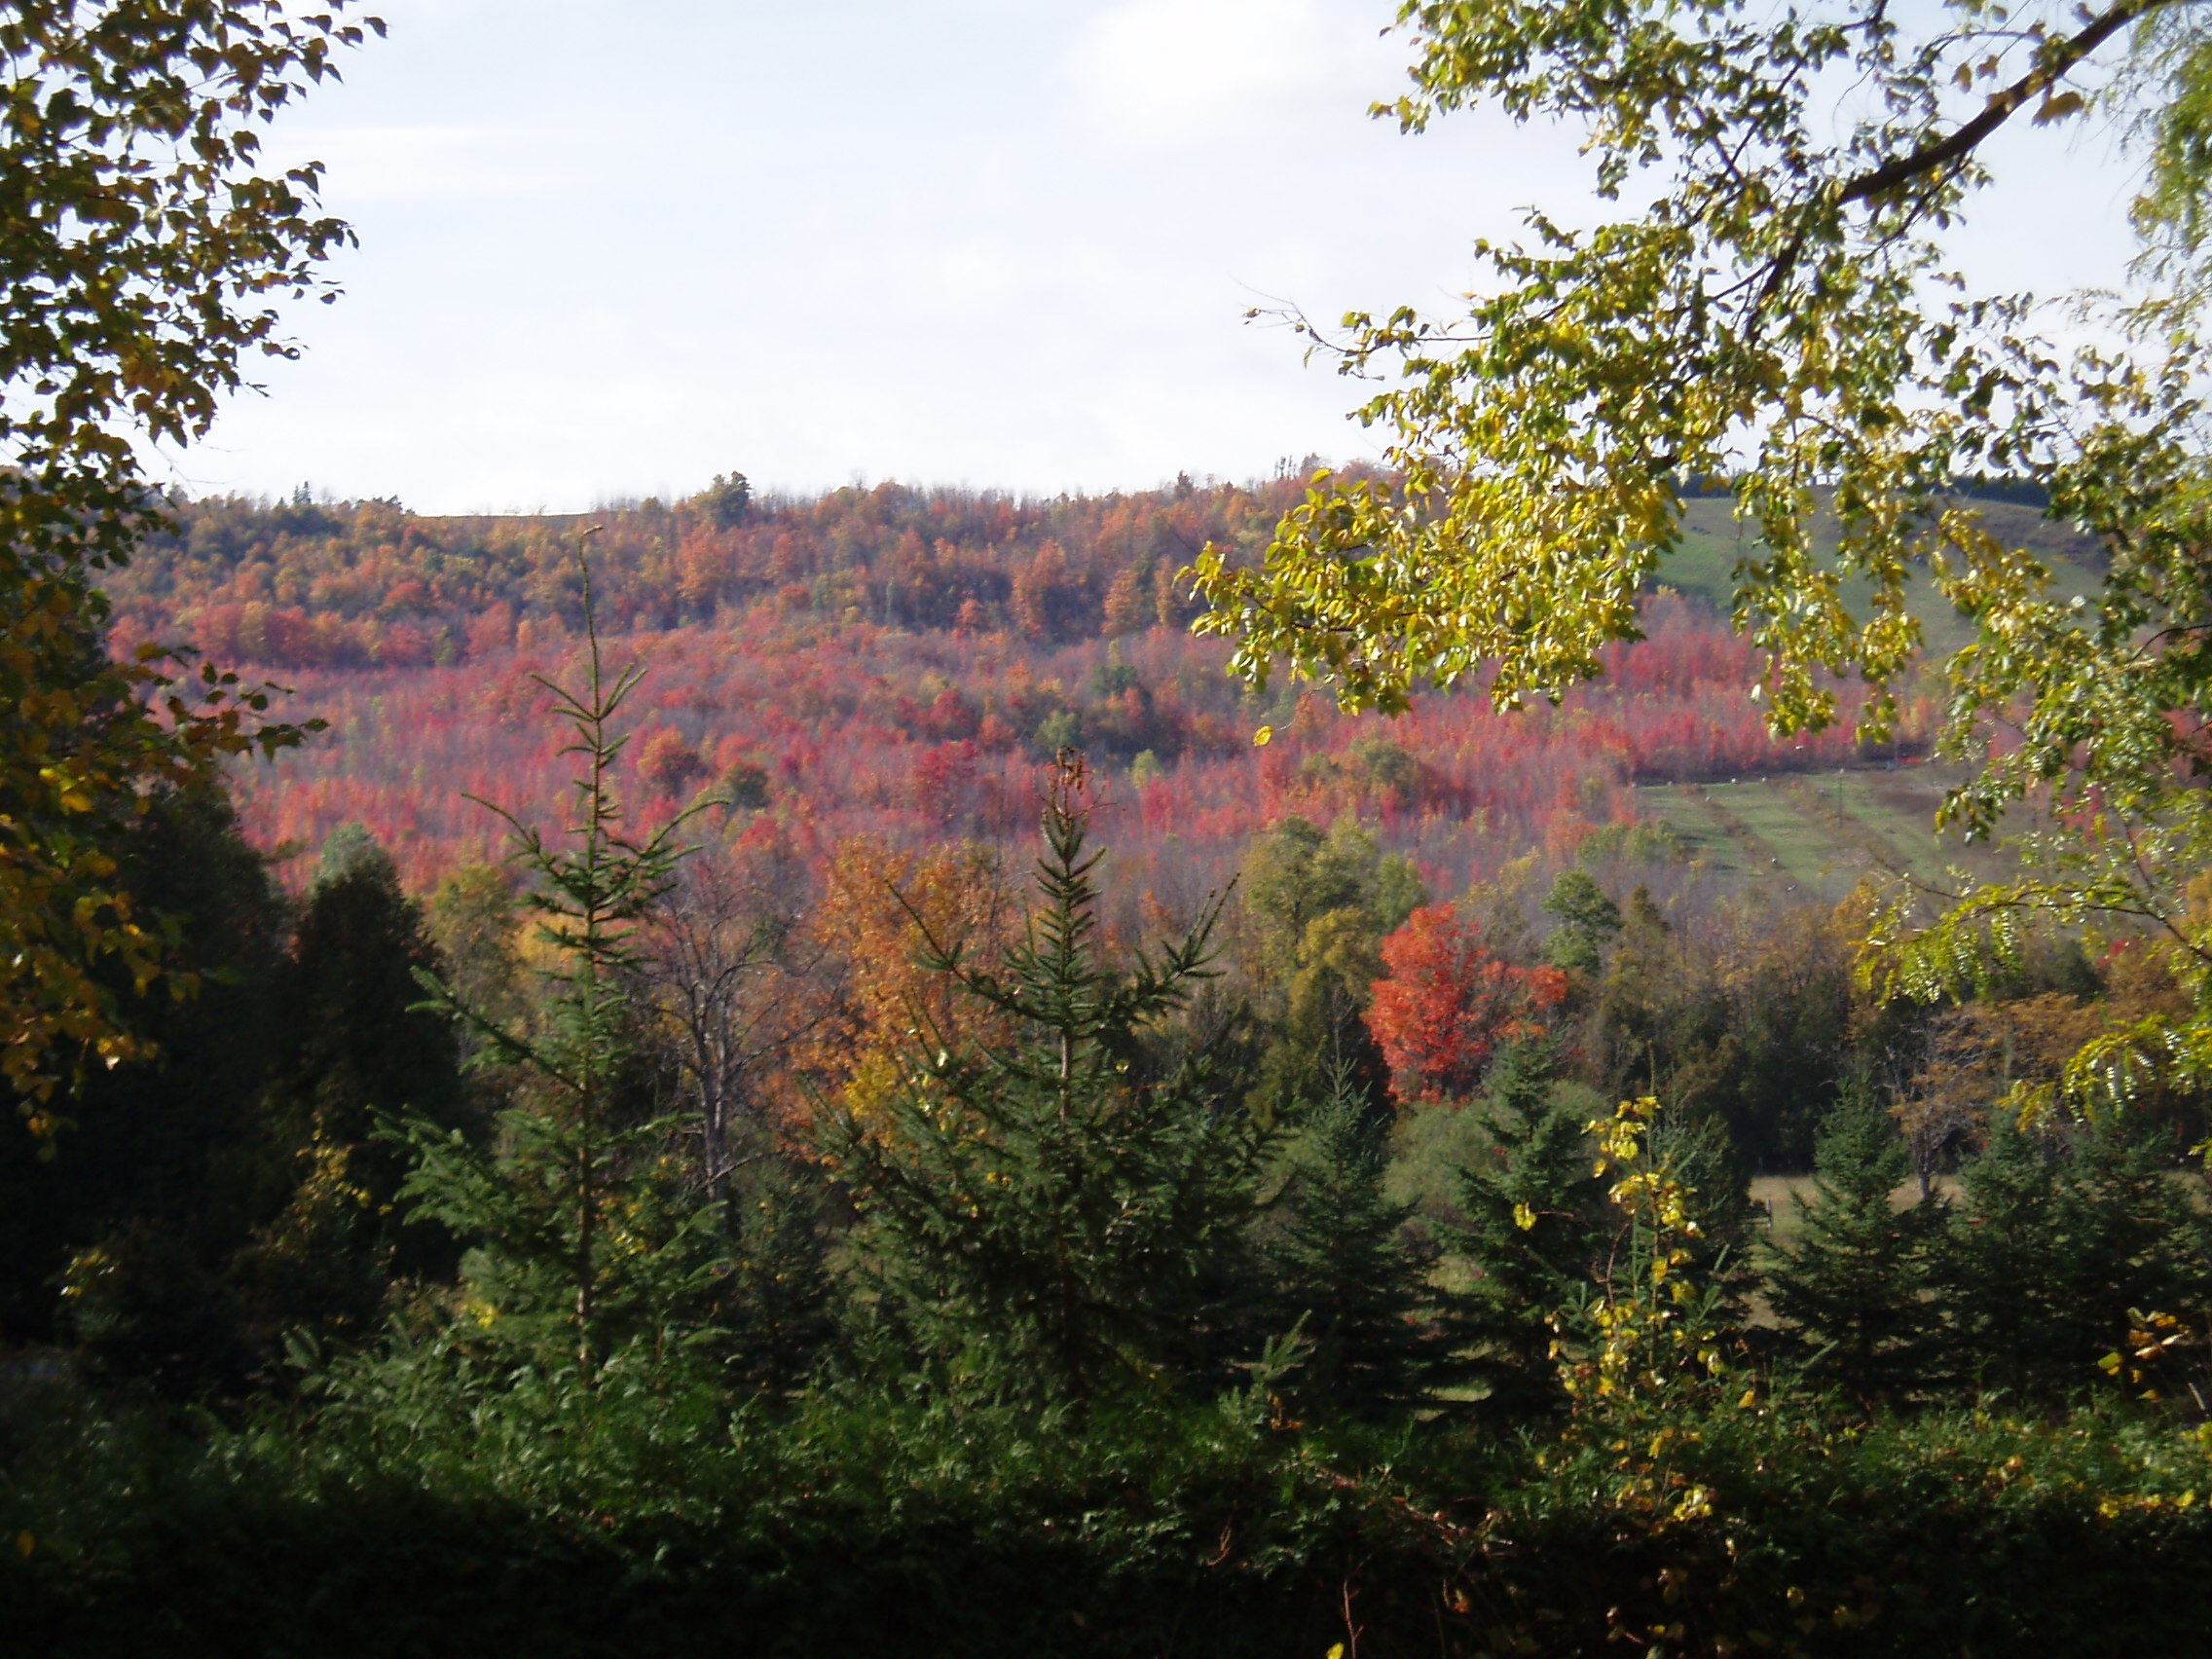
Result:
[1712,541]
[894,662]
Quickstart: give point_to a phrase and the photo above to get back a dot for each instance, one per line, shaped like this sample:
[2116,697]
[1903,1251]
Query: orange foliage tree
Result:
[869,926]
[1449,1001]
[668,765]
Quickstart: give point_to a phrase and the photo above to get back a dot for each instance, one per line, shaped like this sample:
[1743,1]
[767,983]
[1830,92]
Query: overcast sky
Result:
[612,247]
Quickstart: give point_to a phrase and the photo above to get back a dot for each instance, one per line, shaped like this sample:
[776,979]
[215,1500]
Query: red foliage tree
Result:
[1449,1001]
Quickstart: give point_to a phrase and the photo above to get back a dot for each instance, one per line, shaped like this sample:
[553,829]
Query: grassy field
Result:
[1819,833]
[1712,541]
[1784,1220]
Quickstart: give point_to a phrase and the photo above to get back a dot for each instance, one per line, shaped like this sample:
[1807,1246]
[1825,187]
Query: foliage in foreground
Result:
[1779,308]
[873,1522]
[146,244]
[441,1497]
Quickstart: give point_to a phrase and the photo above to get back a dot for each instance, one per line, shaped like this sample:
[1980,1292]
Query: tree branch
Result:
[2002,106]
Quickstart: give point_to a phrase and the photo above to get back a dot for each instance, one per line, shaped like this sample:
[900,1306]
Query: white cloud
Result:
[1004,241]
[1164,73]
[416,163]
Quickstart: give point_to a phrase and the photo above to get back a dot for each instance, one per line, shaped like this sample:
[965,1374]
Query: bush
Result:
[867,1522]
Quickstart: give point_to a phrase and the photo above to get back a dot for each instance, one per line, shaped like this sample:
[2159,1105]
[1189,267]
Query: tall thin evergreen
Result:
[778,1296]
[576,1213]
[1057,1197]
[1536,1228]
[1377,1337]
[1856,1286]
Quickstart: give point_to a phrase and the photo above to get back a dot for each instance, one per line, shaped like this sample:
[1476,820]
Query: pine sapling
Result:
[1854,1287]
[1375,1333]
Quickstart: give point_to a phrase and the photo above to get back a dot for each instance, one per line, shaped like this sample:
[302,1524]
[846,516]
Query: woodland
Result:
[1231,1069]
[930,1109]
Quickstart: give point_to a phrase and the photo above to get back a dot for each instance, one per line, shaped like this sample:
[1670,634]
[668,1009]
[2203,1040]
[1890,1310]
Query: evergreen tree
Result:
[164,1170]
[585,1238]
[2004,1262]
[1057,1198]
[1375,1338]
[777,1295]
[1535,1230]
[354,1046]
[1854,1284]
[1706,1164]
[2060,1234]
[1587,921]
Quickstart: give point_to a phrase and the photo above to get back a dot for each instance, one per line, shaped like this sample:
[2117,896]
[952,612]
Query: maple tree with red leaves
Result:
[1450,1002]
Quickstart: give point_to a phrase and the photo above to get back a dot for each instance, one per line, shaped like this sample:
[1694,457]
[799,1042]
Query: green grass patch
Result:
[1714,541]
[1821,832]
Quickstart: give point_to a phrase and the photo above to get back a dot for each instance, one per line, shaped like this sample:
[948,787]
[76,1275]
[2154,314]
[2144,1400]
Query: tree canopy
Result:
[142,248]
[1781,314]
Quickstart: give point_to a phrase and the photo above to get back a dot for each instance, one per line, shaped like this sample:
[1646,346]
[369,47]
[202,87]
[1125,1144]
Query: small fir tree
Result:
[1854,1287]
[1375,1338]
[1534,1228]
[585,1237]
[1056,1197]
[1706,1167]
[355,1046]
[2062,1234]
[2002,1259]
[777,1297]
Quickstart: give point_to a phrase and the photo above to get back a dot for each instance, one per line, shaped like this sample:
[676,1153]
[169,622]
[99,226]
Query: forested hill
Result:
[893,661]
[305,584]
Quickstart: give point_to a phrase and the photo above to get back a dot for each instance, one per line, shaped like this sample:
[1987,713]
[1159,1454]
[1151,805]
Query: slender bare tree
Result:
[726,967]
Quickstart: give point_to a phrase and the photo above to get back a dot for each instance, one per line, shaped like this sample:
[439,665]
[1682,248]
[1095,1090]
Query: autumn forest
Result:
[1589,1036]
[821,827]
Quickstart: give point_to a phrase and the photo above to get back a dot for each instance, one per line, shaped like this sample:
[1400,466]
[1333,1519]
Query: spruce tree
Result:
[585,1237]
[1693,1141]
[1057,1198]
[1535,1230]
[353,1046]
[2003,1260]
[1855,1285]
[122,1239]
[1375,1338]
[2062,1234]
[777,1295]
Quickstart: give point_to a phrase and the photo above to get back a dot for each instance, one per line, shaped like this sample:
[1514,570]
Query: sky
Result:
[609,248]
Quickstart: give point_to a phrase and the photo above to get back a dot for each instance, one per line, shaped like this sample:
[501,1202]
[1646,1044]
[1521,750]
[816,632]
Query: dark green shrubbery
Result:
[861,1520]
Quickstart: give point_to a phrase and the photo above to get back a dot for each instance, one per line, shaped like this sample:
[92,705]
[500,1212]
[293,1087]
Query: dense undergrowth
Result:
[637,1517]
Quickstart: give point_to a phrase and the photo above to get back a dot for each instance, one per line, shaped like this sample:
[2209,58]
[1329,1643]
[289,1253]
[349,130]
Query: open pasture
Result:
[1819,833]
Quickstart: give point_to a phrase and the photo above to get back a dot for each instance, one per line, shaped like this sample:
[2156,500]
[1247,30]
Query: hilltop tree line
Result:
[305,583]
